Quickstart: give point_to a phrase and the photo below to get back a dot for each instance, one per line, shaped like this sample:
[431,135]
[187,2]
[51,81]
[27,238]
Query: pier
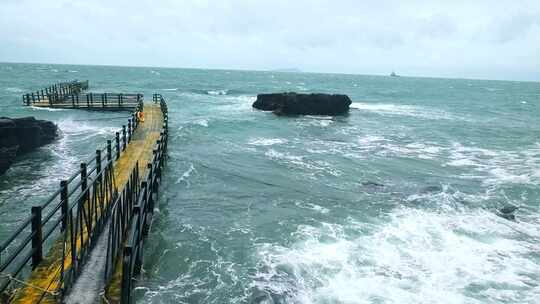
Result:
[94,225]
[69,95]
[55,92]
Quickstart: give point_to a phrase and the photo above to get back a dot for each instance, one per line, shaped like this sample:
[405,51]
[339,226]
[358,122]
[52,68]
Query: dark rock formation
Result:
[303,104]
[507,212]
[22,135]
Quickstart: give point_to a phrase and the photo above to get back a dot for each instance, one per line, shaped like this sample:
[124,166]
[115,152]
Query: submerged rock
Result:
[507,212]
[303,104]
[22,135]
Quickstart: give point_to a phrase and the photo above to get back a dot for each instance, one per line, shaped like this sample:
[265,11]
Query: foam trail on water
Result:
[403,110]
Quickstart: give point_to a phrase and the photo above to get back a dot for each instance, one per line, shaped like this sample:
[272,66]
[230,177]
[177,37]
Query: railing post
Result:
[64,202]
[109,151]
[117,145]
[129,130]
[140,215]
[125,296]
[98,164]
[85,197]
[37,237]
[84,177]
[124,137]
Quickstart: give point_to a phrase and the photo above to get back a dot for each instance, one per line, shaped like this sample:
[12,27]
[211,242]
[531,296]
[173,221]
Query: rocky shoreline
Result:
[22,135]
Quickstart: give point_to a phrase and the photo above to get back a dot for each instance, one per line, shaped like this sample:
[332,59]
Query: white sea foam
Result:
[46,109]
[73,127]
[14,90]
[201,122]
[403,110]
[185,176]
[499,166]
[273,154]
[217,92]
[237,104]
[416,257]
[174,89]
[311,206]
[313,167]
[261,141]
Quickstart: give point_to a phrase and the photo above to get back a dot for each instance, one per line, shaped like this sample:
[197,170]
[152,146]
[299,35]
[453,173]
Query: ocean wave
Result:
[417,256]
[186,175]
[404,110]
[201,122]
[499,166]
[14,90]
[261,141]
[313,167]
[46,109]
[76,131]
[376,145]
[217,92]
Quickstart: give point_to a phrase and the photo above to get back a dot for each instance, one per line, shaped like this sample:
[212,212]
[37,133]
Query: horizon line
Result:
[276,70]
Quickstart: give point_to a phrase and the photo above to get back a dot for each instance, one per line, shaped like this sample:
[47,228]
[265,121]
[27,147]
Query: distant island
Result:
[393,74]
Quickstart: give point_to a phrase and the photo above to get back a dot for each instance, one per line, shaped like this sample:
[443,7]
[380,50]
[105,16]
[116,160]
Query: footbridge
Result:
[84,244]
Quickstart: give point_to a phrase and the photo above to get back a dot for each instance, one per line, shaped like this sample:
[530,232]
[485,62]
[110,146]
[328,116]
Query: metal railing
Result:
[140,215]
[69,221]
[57,91]
[97,101]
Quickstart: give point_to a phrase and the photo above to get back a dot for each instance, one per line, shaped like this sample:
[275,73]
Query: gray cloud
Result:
[485,39]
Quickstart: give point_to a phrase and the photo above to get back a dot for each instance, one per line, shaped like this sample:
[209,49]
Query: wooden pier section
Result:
[114,192]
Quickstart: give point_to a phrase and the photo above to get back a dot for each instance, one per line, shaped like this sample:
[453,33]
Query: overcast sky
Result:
[495,39]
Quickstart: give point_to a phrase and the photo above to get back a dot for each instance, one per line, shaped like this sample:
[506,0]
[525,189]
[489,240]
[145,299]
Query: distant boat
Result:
[394,74]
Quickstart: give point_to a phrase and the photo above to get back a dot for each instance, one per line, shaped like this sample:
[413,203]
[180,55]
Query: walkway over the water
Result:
[89,101]
[111,204]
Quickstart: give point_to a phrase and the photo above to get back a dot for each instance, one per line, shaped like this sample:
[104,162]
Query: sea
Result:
[396,202]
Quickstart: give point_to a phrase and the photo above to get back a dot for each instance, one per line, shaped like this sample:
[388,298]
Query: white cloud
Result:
[487,39]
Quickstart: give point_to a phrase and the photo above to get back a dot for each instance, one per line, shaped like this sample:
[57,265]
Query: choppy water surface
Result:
[393,203]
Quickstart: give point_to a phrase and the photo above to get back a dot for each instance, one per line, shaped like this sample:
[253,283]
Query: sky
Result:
[494,39]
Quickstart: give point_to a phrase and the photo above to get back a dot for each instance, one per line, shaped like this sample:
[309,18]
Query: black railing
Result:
[56,92]
[68,222]
[96,101]
[139,220]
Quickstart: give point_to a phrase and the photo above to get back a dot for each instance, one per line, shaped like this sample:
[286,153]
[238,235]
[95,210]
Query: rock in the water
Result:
[509,209]
[303,104]
[22,135]
[507,212]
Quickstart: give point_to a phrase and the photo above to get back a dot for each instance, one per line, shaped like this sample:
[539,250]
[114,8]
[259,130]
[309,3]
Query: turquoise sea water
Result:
[394,203]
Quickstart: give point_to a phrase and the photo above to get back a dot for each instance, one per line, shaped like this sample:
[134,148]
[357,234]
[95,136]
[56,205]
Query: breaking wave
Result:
[416,257]
[404,110]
